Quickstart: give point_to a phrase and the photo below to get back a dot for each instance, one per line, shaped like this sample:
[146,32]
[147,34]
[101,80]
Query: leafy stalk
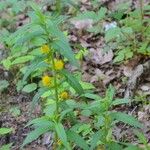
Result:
[142,17]
[58,6]
[56,95]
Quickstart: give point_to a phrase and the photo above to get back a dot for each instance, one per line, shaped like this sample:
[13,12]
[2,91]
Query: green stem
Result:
[54,75]
[56,96]
[55,86]
[142,17]
[141,9]
[58,6]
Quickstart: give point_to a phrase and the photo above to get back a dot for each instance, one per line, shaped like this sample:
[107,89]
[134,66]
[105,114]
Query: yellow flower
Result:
[64,95]
[45,49]
[46,80]
[58,64]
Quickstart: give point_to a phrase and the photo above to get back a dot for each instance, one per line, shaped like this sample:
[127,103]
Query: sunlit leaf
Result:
[5,130]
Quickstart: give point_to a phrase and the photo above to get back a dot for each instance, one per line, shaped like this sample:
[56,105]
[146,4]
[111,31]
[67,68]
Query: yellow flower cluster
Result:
[58,64]
[64,95]
[46,80]
[45,49]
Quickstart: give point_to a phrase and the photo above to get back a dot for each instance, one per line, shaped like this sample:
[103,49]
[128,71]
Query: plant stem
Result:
[56,95]
[55,86]
[58,6]
[54,75]
[141,9]
[142,17]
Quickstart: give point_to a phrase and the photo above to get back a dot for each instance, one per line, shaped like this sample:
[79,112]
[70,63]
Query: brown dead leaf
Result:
[100,57]
[82,24]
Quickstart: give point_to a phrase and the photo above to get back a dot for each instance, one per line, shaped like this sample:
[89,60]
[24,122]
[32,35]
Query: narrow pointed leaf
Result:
[125,118]
[36,97]
[77,139]
[33,135]
[73,82]
[62,135]
[96,137]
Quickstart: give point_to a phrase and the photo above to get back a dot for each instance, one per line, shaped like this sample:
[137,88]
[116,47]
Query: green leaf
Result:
[91,96]
[112,34]
[127,30]
[32,35]
[129,54]
[64,113]
[141,137]
[20,84]
[5,130]
[36,97]
[86,15]
[73,82]
[62,135]
[37,11]
[6,147]
[22,59]
[40,122]
[3,84]
[34,67]
[125,118]
[95,138]
[114,146]
[86,85]
[133,147]
[101,13]
[120,101]
[117,14]
[12,40]
[110,93]
[6,63]
[77,139]
[50,110]
[30,88]
[19,6]
[61,44]
[33,135]
[86,112]
[120,57]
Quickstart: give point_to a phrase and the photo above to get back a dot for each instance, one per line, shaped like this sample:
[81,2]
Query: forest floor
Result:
[97,69]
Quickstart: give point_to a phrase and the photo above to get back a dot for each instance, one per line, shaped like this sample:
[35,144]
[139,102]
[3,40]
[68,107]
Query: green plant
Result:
[3,85]
[141,98]
[104,120]
[4,131]
[44,58]
[59,5]
[132,37]
[10,10]
[96,18]
[142,139]
[76,117]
